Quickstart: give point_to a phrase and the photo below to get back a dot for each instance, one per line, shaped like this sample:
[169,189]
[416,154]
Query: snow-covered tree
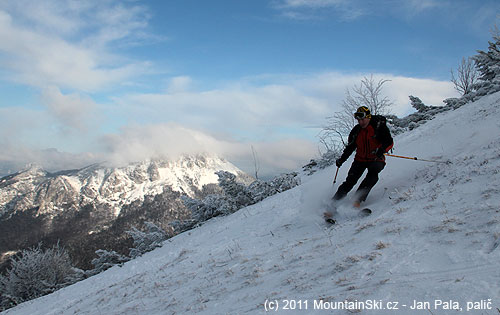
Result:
[237,192]
[105,260]
[146,241]
[488,65]
[260,190]
[234,196]
[285,182]
[423,114]
[488,62]
[211,206]
[418,104]
[37,272]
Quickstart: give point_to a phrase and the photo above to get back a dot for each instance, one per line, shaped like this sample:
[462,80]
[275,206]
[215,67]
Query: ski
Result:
[330,221]
[329,218]
[366,212]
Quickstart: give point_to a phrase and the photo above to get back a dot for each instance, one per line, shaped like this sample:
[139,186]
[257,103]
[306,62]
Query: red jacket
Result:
[367,140]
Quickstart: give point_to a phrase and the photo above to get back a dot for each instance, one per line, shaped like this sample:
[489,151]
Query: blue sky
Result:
[121,81]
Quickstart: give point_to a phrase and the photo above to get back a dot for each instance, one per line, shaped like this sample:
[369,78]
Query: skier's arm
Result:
[351,144]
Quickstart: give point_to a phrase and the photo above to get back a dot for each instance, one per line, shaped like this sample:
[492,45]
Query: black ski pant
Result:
[355,172]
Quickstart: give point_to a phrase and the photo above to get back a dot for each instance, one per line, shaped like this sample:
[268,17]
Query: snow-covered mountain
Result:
[114,187]
[432,242]
[90,208]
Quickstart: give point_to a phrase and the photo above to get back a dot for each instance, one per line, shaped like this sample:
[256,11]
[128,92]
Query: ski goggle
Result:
[359,115]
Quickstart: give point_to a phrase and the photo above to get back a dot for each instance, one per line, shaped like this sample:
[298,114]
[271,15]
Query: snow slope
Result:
[433,238]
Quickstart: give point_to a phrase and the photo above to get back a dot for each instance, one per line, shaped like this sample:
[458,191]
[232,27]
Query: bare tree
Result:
[367,93]
[255,163]
[466,76]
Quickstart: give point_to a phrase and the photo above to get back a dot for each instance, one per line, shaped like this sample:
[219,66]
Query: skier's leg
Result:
[370,180]
[355,172]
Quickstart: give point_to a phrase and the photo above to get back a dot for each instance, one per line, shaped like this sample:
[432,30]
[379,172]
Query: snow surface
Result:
[433,236]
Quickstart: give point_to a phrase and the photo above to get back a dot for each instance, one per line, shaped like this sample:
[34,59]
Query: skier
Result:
[370,138]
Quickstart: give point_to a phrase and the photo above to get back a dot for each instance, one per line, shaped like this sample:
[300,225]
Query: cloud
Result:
[353,9]
[421,5]
[16,157]
[486,17]
[179,84]
[66,43]
[18,125]
[270,110]
[73,111]
[234,107]
[286,154]
[109,20]
[46,16]
[311,3]
[315,9]
[140,142]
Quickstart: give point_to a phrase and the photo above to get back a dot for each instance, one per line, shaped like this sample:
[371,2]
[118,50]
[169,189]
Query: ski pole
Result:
[415,158]
[335,179]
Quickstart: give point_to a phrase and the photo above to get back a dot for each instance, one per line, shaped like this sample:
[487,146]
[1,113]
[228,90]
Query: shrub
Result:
[146,241]
[105,260]
[37,272]
[234,197]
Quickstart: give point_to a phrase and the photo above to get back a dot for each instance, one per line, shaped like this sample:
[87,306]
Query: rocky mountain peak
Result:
[109,187]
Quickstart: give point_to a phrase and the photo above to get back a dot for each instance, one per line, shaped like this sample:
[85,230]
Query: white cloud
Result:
[314,9]
[354,9]
[421,5]
[73,111]
[247,109]
[45,16]
[18,124]
[286,154]
[179,84]
[65,43]
[311,3]
[25,135]
[139,142]
[291,102]
[15,157]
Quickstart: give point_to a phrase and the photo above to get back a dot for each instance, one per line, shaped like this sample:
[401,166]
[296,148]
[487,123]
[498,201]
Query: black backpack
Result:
[378,121]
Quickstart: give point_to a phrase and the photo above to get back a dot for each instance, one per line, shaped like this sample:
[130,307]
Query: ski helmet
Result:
[362,112]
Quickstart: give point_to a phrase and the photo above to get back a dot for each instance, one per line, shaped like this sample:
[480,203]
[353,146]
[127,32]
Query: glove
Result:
[380,153]
[339,162]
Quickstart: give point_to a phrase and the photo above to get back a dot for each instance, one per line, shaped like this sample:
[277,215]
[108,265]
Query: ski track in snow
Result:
[434,234]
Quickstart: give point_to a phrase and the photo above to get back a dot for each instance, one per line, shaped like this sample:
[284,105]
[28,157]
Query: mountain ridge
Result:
[96,182]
